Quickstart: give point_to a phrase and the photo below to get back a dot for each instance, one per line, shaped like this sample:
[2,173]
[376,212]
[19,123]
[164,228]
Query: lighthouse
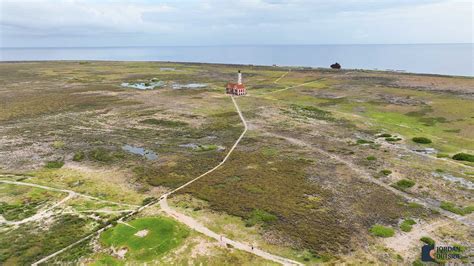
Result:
[236,88]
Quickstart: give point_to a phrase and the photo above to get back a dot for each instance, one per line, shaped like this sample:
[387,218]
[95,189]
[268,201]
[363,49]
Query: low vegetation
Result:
[463,157]
[382,231]
[407,225]
[159,236]
[54,164]
[163,122]
[404,184]
[449,206]
[421,140]
[428,240]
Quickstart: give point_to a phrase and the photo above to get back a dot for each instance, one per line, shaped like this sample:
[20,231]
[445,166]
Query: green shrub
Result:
[407,225]
[78,156]
[449,206]
[371,158]
[385,172]
[100,155]
[363,141]
[384,135]
[428,240]
[54,164]
[417,263]
[421,140]
[393,139]
[404,184]
[442,155]
[463,157]
[260,216]
[163,122]
[381,231]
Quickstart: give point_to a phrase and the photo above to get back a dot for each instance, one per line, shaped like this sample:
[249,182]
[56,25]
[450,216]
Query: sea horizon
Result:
[431,58]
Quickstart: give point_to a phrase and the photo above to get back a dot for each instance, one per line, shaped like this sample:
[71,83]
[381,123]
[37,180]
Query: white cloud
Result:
[191,22]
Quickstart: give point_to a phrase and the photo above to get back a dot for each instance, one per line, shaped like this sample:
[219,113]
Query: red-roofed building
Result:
[236,88]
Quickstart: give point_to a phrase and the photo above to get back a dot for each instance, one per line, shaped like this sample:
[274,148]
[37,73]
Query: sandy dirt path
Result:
[189,221]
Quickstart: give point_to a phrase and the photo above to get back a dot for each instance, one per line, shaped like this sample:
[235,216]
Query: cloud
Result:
[193,22]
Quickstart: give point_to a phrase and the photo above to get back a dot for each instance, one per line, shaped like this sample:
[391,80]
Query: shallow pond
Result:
[143,85]
[150,155]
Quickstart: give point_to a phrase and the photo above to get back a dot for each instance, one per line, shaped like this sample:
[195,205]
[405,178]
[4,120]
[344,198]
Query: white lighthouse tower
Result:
[236,88]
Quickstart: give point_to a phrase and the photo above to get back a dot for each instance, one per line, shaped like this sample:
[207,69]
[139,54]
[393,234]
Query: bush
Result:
[364,141]
[404,184]
[428,240]
[421,140]
[260,216]
[406,225]
[449,206]
[163,122]
[385,172]
[384,135]
[371,158]
[463,157]
[392,139]
[101,155]
[78,156]
[54,164]
[381,231]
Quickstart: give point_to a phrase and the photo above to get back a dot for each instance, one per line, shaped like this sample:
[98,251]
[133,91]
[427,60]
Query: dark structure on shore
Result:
[336,66]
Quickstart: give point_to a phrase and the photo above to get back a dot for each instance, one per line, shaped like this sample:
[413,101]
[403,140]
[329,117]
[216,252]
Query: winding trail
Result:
[48,212]
[193,224]
[282,76]
[189,221]
[64,191]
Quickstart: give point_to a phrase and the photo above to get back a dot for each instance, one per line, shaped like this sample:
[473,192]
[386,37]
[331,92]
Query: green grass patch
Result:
[312,112]
[163,122]
[163,235]
[428,240]
[385,172]
[371,158]
[463,157]
[442,155]
[449,206]
[407,225]
[382,231]
[363,141]
[78,156]
[54,164]
[210,147]
[421,140]
[260,217]
[404,184]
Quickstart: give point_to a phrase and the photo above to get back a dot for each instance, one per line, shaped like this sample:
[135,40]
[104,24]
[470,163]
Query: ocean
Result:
[446,59]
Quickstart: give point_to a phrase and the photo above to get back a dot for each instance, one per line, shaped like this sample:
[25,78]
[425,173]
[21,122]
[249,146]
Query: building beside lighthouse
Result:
[236,88]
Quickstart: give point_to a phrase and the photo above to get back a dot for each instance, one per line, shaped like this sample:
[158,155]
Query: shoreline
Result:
[300,68]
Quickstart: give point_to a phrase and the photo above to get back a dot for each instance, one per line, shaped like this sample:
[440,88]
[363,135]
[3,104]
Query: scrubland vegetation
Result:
[300,183]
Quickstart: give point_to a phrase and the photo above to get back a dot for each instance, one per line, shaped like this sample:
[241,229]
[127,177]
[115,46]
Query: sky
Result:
[95,23]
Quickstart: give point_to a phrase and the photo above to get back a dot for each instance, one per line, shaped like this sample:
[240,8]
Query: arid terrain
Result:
[320,166]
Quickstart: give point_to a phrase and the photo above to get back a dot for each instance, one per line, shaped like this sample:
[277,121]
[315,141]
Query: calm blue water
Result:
[450,59]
